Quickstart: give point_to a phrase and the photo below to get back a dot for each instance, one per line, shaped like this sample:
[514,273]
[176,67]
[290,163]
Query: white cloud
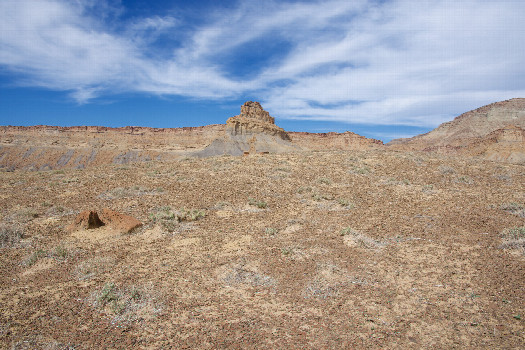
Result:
[392,62]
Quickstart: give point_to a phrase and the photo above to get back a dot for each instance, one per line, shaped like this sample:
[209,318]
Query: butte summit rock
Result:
[252,130]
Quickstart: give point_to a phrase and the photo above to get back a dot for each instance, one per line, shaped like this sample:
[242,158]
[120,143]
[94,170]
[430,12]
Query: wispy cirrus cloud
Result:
[369,62]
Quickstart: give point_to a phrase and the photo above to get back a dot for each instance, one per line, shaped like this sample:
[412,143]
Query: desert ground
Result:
[310,250]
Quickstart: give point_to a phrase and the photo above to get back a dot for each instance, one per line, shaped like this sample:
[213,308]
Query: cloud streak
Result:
[365,62]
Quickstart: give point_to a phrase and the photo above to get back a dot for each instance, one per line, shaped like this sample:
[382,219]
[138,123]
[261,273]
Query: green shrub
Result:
[190,215]
[33,258]
[271,231]
[257,203]
[325,180]
[169,219]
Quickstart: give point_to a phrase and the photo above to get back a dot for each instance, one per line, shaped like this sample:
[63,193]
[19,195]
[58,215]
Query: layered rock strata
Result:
[494,131]
[253,129]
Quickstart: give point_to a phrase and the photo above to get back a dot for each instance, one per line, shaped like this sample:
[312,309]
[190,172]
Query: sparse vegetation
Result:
[302,190]
[358,253]
[126,192]
[125,304]
[60,253]
[345,203]
[10,235]
[445,169]
[321,196]
[514,238]
[35,256]
[359,170]
[23,215]
[169,219]
[190,214]
[465,180]
[325,181]
[257,203]
[286,250]
[355,238]
[271,231]
[94,266]
[428,188]
[514,208]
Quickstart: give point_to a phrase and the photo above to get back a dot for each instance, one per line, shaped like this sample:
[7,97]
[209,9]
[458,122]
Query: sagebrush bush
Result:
[169,219]
[514,238]
[257,203]
[10,235]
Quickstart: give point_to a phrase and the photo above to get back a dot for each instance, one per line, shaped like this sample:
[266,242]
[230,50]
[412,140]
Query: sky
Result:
[383,69]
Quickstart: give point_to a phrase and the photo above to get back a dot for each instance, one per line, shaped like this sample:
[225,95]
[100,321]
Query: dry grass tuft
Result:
[354,238]
[514,239]
[10,235]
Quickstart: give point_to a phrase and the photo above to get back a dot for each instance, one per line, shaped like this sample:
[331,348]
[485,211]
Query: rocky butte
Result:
[253,130]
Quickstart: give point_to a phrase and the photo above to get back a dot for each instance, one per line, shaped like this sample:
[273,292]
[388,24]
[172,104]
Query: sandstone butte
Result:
[494,132]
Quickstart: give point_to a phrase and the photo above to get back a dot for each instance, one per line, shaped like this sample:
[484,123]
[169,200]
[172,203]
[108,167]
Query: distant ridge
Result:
[495,131]
[44,147]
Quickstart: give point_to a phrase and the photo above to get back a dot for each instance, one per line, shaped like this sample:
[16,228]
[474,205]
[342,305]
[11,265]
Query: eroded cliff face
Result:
[494,131]
[253,119]
[252,131]
[52,147]
[334,141]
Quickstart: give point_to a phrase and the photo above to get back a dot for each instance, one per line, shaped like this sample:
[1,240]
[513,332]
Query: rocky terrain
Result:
[311,250]
[135,238]
[495,131]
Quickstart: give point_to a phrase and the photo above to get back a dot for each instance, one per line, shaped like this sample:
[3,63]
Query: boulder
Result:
[91,219]
[86,220]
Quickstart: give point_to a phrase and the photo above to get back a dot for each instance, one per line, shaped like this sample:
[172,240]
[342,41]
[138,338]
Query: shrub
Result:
[514,208]
[465,179]
[60,253]
[444,169]
[190,215]
[515,233]
[356,238]
[271,231]
[325,180]
[169,219]
[257,203]
[33,258]
[359,170]
[125,304]
[10,235]
[514,238]
[345,203]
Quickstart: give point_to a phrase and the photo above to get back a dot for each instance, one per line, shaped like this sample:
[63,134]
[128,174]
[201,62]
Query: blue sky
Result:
[383,69]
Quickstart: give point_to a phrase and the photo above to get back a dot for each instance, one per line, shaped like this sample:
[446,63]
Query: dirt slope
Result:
[494,131]
[308,250]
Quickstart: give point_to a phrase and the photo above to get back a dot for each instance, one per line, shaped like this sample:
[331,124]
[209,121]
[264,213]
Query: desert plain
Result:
[307,249]
[324,249]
